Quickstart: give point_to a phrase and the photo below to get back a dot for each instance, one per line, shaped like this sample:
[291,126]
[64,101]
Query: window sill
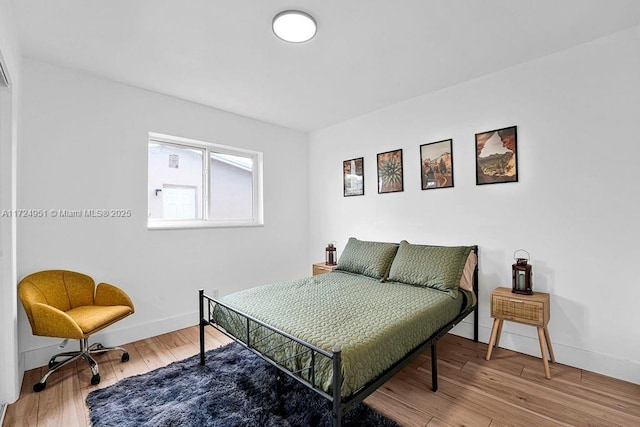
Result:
[181,225]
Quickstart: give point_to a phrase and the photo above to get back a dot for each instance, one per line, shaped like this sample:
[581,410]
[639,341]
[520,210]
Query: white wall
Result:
[575,208]
[10,57]
[84,146]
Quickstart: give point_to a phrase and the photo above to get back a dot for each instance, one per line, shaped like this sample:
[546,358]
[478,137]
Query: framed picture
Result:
[436,164]
[497,156]
[390,172]
[353,177]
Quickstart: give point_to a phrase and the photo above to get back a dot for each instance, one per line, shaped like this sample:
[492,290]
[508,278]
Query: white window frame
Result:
[208,147]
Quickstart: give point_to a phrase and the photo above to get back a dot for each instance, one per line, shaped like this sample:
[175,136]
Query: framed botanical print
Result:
[390,173]
[353,177]
[436,165]
[497,156]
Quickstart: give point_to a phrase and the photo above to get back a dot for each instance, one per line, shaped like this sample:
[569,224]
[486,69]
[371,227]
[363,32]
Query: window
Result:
[200,184]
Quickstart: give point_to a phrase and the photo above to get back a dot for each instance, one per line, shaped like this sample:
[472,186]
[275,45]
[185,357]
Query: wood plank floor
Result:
[509,390]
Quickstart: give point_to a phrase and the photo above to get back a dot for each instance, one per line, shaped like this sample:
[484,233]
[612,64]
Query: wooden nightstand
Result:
[321,268]
[528,309]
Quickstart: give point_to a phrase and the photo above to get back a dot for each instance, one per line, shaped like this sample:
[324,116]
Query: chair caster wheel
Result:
[38,387]
[125,357]
[95,380]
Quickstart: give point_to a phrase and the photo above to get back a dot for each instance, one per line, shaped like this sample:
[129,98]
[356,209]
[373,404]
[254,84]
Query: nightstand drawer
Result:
[518,310]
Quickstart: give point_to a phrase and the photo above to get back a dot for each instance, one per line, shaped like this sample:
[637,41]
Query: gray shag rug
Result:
[234,388]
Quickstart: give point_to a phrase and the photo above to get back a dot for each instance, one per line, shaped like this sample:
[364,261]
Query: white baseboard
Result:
[112,337]
[611,366]
[623,369]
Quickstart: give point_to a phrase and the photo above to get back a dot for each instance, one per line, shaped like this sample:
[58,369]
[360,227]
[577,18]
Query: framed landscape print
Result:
[436,165]
[353,177]
[497,156]
[390,179]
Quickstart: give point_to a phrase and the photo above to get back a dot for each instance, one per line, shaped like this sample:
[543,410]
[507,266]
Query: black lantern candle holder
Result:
[330,254]
[521,274]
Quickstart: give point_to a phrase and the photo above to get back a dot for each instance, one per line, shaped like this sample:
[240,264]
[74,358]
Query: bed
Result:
[345,333]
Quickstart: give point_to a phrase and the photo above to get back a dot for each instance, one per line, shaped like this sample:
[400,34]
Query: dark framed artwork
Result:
[497,156]
[353,177]
[436,164]
[390,173]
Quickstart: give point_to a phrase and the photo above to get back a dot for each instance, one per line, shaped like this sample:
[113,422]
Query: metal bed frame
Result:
[340,404]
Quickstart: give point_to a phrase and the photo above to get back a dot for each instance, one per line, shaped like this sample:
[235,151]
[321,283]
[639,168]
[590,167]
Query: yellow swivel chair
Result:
[65,304]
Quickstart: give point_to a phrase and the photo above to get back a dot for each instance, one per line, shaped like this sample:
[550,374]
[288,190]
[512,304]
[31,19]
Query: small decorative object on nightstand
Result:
[321,268]
[330,254]
[528,309]
[521,272]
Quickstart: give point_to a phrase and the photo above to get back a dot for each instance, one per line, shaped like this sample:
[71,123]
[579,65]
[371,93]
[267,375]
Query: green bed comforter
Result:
[374,324]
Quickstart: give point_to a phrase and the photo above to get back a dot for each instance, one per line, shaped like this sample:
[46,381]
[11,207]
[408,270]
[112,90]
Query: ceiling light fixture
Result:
[294,26]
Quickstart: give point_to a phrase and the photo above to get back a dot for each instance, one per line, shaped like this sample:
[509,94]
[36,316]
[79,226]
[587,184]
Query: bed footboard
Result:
[305,375]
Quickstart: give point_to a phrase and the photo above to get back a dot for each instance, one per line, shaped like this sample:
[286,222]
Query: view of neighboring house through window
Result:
[198,184]
[230,186]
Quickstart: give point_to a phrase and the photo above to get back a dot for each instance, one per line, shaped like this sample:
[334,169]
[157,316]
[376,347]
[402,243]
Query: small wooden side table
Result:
[322,268]
[528,309]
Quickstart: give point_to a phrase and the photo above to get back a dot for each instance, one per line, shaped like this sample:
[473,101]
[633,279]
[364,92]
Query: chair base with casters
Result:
[85,353]
[69,305]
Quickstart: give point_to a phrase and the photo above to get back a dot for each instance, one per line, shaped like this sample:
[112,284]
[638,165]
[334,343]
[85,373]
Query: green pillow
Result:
[438,267]
[371,259]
